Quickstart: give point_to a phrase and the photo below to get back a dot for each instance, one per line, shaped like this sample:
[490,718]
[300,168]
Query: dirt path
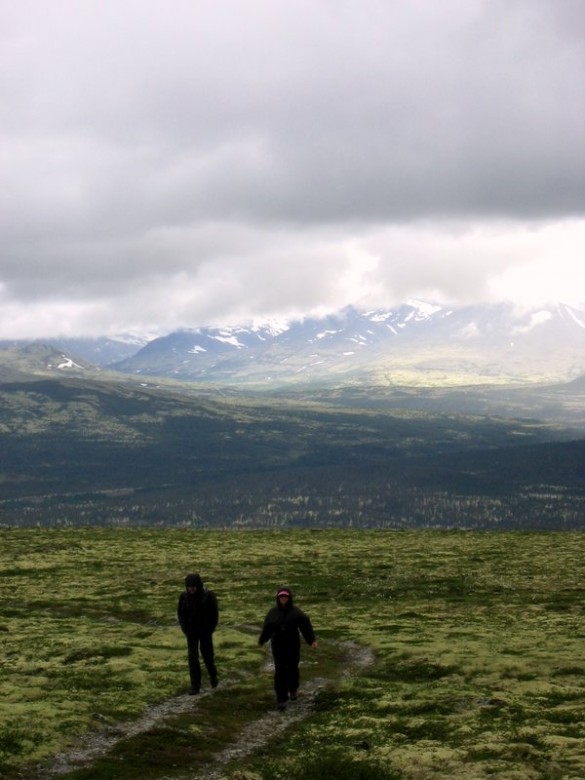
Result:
[258,733]
[254,736]
[97,744]
[262,730]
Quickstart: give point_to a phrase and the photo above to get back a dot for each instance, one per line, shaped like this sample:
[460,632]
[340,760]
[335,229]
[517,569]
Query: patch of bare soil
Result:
[256,735]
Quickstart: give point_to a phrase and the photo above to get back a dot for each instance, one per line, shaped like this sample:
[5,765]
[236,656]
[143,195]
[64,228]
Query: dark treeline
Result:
[321,498]
[91,454]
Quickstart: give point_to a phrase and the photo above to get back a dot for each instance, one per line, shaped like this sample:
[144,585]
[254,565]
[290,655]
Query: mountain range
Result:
[416,416]
[415,344]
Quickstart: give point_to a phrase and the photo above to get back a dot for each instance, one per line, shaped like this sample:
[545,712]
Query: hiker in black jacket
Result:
[198,614]
[282,626]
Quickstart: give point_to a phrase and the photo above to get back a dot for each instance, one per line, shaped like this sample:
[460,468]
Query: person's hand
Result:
[314,645]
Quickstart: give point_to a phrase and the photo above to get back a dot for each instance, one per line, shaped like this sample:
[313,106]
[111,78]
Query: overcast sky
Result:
[176,163]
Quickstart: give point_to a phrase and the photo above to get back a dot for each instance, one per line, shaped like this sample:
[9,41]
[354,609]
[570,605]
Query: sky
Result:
[177,163]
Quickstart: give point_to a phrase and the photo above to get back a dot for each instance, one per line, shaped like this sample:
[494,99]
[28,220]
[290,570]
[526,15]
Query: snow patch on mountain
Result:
[269,327]
[68,363]
[231,340]
[416,309]
[574,316]
[419,311]
[378,316]
[325,333]
[424,309]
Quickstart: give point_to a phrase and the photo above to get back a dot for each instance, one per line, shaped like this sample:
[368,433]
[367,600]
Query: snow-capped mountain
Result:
[416,343]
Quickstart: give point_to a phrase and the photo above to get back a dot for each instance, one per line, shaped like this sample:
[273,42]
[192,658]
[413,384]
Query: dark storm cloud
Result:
[208,149]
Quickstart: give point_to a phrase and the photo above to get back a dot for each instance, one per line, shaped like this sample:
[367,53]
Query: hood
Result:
[194,579]
[290,600]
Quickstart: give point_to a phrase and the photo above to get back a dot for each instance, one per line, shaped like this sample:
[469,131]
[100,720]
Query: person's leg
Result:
[194,665]
[206,644]
[280,678]
[292,671]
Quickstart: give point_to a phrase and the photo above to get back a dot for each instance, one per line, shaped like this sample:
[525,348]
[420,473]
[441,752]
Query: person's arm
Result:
[213,611]
[181,613]
[306,628]
[266,632]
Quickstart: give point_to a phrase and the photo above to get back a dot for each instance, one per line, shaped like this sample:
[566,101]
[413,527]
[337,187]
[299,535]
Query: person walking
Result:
[283,626]
[198,613]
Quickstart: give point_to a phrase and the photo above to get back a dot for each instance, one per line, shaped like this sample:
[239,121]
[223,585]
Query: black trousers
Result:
[286,669]
[203,643]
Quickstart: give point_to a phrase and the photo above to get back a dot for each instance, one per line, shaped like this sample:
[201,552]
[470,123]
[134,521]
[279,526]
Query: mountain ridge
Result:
[416,343]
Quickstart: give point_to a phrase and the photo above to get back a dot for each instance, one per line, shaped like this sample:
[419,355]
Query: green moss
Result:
[473,673]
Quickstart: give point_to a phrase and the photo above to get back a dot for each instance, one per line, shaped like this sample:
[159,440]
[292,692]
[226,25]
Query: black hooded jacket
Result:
[283,623]
[197,612]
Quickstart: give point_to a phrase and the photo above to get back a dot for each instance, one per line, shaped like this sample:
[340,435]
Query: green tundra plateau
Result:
[442,654]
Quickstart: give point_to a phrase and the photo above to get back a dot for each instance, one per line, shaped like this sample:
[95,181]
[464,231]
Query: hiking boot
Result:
[214,682]
[194,691]
[293,695]
[281,706]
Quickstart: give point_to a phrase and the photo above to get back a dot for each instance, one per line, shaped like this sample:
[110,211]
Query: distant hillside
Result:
[23,361]
[93,452]
[563,404]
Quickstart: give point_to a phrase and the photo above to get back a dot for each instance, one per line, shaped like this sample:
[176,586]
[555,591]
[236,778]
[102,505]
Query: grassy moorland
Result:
[478,643]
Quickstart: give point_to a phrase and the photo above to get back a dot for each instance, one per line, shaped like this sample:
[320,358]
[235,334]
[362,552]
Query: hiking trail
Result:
[255,735]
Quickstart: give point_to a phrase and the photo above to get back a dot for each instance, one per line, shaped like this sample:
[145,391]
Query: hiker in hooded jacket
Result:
[198,614]
[283,626]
